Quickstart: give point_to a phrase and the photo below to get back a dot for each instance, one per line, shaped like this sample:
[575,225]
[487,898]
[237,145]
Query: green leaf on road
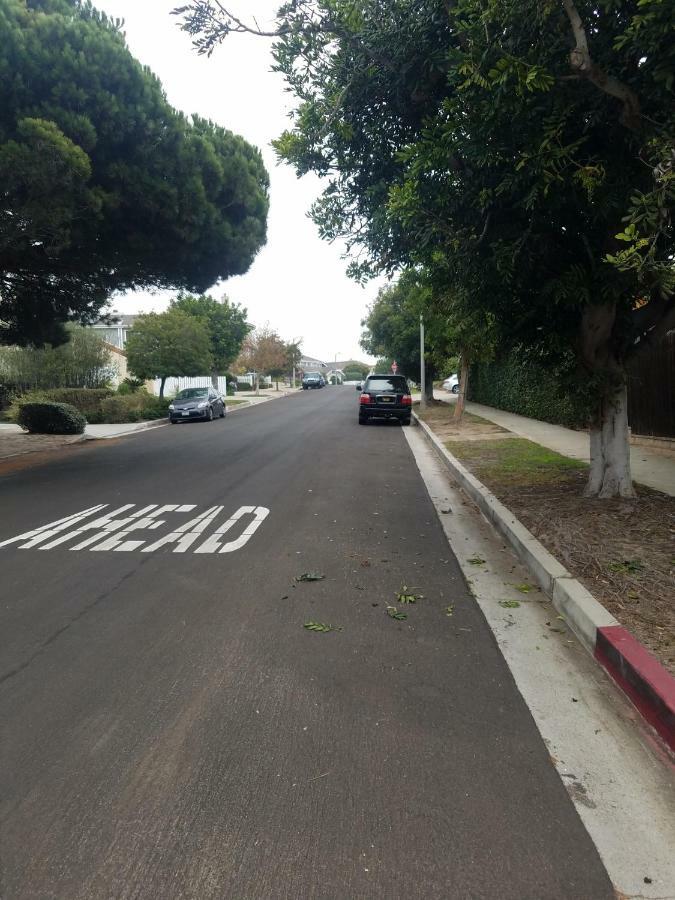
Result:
[408,595]
[449,610]
[509,604]
[476,561]
[393,613]
[524,588]
[310,576]
[321,627]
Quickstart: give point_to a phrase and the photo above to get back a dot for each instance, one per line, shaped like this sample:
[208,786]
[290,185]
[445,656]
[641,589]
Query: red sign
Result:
[394,367]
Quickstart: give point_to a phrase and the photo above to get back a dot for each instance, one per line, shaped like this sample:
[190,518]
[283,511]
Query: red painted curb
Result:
[641,676]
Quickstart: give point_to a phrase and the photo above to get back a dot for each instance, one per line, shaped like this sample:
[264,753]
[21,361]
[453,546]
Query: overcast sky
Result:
[297,282]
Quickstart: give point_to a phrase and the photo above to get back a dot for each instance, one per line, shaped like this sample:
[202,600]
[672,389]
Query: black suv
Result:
[312,380]
[385,397]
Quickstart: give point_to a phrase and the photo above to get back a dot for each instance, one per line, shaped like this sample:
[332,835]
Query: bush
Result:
[137,407]
[51,418]
[244,386]
[130,386]
[100,406]
[525,385]
[86,400]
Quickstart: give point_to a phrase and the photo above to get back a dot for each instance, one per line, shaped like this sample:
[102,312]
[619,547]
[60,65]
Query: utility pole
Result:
[423,386]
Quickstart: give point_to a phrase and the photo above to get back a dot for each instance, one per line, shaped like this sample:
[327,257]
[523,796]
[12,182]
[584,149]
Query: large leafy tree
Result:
[392,328]
[225,323]
[172,343]
[264,352]
[522,152]
[103,186]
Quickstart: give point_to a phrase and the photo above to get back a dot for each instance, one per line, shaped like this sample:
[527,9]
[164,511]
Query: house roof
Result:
[115,321]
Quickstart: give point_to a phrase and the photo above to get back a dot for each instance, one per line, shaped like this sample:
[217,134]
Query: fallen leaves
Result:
[393,613]
[321,627]
[408,595]
[310,576]
[509,604]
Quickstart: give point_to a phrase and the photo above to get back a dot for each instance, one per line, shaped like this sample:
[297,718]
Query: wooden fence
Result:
[651,390]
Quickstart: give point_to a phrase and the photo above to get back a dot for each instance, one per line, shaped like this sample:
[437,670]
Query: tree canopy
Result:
[225,323]
[522,153]
[172,343]
[103,185]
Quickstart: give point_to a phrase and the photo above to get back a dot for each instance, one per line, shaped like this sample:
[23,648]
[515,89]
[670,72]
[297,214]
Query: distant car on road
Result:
[385,397]
[452,384]
[196,403]
[312,380]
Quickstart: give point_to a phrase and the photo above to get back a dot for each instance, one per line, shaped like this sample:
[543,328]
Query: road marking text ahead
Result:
[112,530]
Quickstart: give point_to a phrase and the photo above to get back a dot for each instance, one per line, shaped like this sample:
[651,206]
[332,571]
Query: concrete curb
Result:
[138,426]
[642,678]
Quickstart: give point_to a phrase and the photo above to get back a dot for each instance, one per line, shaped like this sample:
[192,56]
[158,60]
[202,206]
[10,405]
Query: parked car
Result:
[451,383]
[385,397]
[196,403]
[312,380]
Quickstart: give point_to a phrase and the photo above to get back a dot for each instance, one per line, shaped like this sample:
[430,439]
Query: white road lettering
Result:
[54,527]
[117,530]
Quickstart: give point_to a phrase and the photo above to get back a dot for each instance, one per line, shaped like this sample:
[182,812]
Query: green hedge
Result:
[50,418]
[100,406]
[519,384]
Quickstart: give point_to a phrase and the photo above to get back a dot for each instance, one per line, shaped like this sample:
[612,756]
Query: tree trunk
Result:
[430,373]
[161,387]
[609,474]
[214,380]
[463,387]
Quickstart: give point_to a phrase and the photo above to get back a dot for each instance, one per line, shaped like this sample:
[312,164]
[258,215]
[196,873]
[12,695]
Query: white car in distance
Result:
[451,384]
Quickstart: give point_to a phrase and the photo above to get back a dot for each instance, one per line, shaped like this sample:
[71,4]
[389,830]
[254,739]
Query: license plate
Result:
[185,412]
[387,399]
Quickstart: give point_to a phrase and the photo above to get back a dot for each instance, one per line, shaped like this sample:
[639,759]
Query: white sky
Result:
[297,282]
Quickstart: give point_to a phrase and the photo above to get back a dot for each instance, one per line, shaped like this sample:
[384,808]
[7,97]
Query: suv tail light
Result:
[364,398]
[407,400]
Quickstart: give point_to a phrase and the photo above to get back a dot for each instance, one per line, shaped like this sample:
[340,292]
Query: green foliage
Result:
[393,613]
[519,383]
[138,407]
[83,362]
[321,627]
[244,386]
[51,418]
[225,324]
[104,186]
[264,352]
[170,343]
[98,406]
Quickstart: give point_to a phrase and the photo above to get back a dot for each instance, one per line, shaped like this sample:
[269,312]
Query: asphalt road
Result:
[171,730]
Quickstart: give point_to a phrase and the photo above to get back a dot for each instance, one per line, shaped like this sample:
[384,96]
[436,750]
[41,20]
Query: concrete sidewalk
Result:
[655,470]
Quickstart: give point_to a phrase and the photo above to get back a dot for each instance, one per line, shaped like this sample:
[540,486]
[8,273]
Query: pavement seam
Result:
[640,676]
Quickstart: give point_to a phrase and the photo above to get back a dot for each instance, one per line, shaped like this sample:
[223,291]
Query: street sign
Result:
[394,367]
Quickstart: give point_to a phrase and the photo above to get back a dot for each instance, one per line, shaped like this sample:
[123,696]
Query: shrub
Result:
[526,385]
[244,386]
[137,407]
[130,386]
[86,400]
[51,418]
[100,406]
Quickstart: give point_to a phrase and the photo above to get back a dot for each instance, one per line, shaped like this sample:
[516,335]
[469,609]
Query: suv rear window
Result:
[396,383]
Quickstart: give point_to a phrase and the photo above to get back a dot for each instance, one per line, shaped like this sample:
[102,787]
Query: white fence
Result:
[173,385]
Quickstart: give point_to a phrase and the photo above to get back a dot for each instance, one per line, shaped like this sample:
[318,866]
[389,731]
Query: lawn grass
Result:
[440,411]
[514,459]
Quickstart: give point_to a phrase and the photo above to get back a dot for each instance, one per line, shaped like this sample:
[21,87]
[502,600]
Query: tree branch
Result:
[583,65]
